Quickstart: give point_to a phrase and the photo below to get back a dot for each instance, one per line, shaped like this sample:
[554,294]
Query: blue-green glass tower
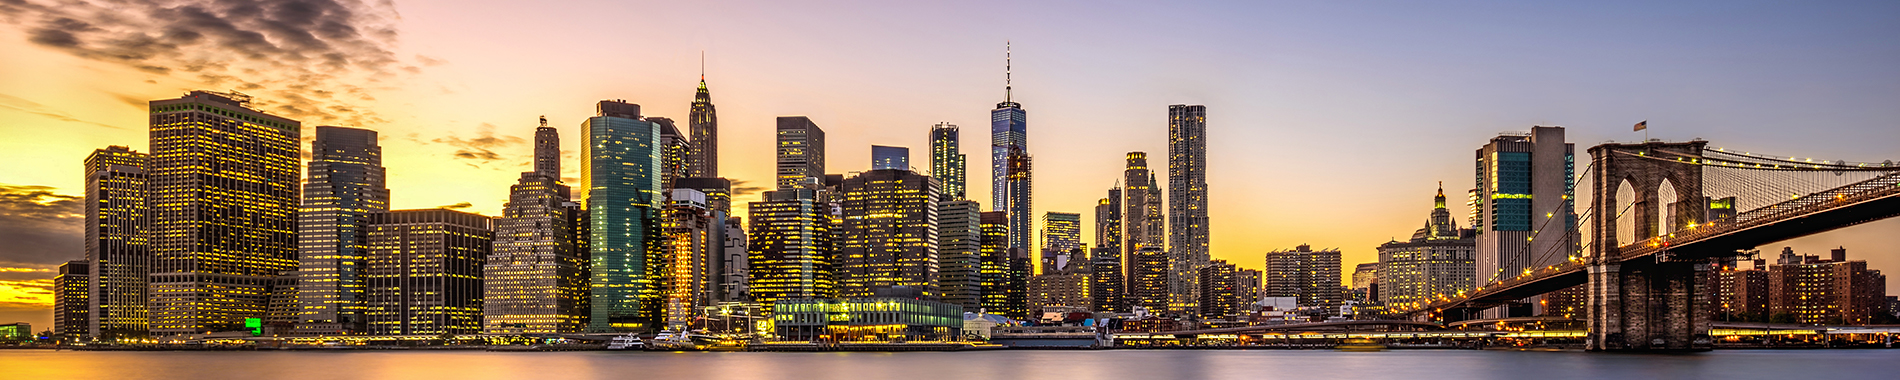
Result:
[622,171]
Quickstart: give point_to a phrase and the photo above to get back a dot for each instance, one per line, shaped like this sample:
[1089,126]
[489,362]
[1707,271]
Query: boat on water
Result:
[625,342]
[688,341]
[1360,345]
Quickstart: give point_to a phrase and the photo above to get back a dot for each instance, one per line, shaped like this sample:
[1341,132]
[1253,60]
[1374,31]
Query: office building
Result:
[1310,277]
[424,271]
[675,150]
[1365,283]
[733,271]
[1221,295]
[71,306]
[872,319]
[1010,165]
[788,235]
[1061,242]
[801,151]
[1438,260]
[623,167]
[213,152]
[693,248]
[1248,286]
[1808,289]
[346,183]
[1144,229]
[117,236]
[1050,292]
[960,253]
[1187,201]
[1005,269]
[1526,217]
[889,233]
[890,157]
[947,161]
[718,191]
[535,278]
[703,119]
[1108,284]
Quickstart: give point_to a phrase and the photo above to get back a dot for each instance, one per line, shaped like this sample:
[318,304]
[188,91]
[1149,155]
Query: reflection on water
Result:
[1117,364]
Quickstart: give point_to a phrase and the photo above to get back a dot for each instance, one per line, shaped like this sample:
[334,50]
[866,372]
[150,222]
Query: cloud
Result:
[481,148]
[26,295]
[28,106]
[740,189]
[456,206]
[298,55]
[39,227]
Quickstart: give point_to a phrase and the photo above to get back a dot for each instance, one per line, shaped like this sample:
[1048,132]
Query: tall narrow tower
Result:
[1009,163]
[345,186]
[946,160]
[1144,244]
[704,122]
[117,218]
[1187,201]
[547,151]
[623,171]
[535,278]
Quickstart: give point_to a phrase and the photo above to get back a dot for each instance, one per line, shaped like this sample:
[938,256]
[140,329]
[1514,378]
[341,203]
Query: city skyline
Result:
[425,170]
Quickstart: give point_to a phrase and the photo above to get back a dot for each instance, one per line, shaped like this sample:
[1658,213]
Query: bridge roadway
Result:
[1850,205]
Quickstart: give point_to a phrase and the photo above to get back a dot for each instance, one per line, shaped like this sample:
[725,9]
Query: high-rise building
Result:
[890,234]
[1150,277]
[1009,164]
[675,152]
[117,244]
[801,151]
[1525,213]
[960,253]
[1221,297]
[693,248]
[1741,294]
[788,236]
[1437,261]
[1365,283]
[346,184]
[1005,269]
[424,271]
[947,161]
[624,169]
[890,157]
[71,307]
[1049,292]
[1187,201]
[223,184]
[718,191]
[1108,283]
[1310,277]
[726,264]
[535,278]
[733,269]
[1811,290]
[1061,241]
[1248,286]
[704,121]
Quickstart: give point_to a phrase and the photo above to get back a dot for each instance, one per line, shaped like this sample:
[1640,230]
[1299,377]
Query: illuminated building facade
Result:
[1808,289]
[1051,291]
[345,184]
[1525,212]
[1221,296]
[733,270]
[1310,277]
[1742,294]
[1144,229]
[117,250]
[623,168]
[801,151]
[789,255]
[692,254]
[874,319]
[960,253]
[947,161]
[1108,284]
[1187,202]
[1365,283]
[704,121]
[1009,165]
[1005,269]
[1438,260]
[71,310]
[726,244]
[890,157]
[889,233]
[223,185]
[424,271]
[535,280]
[1249,286]
[1061,241]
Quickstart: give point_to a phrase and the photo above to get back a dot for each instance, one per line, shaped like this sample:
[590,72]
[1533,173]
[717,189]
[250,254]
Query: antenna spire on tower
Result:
[702,65]
[1006,73]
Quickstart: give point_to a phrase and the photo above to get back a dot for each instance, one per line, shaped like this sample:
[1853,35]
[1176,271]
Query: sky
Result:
[1330,123]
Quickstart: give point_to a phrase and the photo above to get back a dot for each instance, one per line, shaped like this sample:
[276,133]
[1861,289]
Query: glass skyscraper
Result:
[346,184]
[890,157]
[623,173]
[1010,165]
[947,160]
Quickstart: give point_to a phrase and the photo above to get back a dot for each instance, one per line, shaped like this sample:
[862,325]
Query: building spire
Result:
[1440,199]
[702,67]
[1006,74]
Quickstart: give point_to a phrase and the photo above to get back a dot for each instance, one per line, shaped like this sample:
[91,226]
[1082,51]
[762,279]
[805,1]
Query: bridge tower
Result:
[1650,302]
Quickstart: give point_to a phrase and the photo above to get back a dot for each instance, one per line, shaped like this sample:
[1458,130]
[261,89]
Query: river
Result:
[1080,365]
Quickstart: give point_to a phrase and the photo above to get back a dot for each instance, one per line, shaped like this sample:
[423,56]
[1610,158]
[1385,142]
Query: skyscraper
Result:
[801,151]
[704,121]
[117,235]
[1005,269]
[223,185]
[890,234]
[535,278]
[960,253]
[1061,241]
[1437,260]
[789,241]
[890,157]
[623,171]
[71,311]
[675,152]
[1526,215]
[1187,200]
[1143,224]
[1220,291]
[346,184]
[1009,164]
[1108,280]
[424,271]
[947,160]
[733,269]
[1311,277]
[693,245]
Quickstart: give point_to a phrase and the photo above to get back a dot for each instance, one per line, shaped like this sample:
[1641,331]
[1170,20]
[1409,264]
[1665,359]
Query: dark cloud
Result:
[294,53]
[39,227]
[481,148]
[456,206]
[740,189]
